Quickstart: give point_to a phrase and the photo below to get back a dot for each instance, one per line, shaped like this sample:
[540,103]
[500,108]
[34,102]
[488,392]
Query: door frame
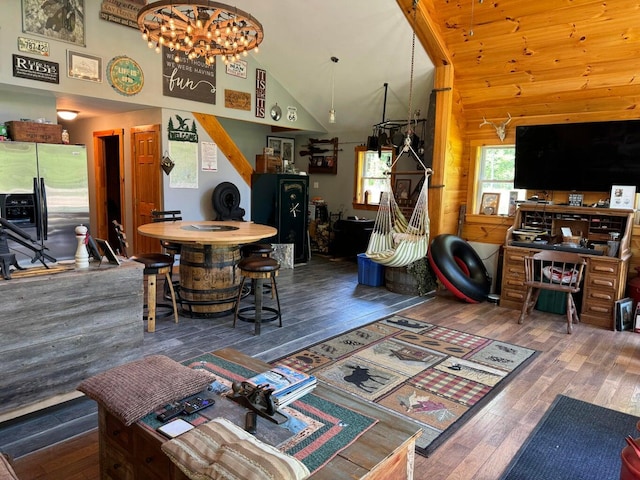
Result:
[100,180]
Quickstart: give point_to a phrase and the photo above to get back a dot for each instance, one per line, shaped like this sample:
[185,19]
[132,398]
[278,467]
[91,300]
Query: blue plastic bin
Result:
[369,272]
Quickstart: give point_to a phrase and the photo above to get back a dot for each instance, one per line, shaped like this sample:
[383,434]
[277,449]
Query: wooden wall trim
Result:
[427,32]
[228,147]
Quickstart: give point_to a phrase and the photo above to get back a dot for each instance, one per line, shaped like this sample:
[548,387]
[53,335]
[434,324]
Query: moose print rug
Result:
[436,376]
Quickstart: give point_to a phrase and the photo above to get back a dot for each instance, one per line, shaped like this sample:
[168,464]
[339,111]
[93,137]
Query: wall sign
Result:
[188,79]
[36,69]
[261,93]
[237,69]
[125,75]
[237,100]
[122,12]
[36,47]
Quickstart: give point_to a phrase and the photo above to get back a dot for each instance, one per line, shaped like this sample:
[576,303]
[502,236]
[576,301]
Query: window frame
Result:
[358,186]
[482,185]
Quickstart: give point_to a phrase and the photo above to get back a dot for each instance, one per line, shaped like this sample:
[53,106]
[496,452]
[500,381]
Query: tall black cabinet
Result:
[282,201]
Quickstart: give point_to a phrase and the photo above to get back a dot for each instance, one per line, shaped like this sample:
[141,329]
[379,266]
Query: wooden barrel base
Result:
[209,279]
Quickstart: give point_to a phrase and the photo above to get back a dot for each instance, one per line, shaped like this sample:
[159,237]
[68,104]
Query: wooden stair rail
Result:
[228,147]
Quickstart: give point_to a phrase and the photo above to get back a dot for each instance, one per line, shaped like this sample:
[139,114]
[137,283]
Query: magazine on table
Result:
[287,384]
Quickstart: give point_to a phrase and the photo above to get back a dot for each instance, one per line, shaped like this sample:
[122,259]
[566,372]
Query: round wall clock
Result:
[125,75]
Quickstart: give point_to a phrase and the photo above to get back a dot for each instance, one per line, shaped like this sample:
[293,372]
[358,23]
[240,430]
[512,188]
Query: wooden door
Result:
[147,185]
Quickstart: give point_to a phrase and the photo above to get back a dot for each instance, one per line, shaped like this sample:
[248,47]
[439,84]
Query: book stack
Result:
[287,384]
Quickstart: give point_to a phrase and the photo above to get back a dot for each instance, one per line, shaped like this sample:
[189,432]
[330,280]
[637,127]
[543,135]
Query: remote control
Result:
[171,412]
[196,404]
[251,422]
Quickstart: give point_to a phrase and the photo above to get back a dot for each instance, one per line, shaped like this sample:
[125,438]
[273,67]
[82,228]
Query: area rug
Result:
[317,429]
[435,376]
[576,440]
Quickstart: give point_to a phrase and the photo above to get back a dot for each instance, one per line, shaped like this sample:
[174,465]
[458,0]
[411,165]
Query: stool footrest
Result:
[247,318]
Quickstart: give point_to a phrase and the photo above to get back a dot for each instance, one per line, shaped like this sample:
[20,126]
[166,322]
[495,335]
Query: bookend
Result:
[257,398]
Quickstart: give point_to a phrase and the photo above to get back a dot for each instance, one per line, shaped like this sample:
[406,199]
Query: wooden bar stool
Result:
[154,264]
[258,269]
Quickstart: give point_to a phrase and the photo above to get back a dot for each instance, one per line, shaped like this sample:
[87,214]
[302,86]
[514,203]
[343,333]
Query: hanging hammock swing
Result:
[395,242]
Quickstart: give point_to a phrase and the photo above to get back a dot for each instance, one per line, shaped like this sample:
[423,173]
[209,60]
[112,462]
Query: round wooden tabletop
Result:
[208,232]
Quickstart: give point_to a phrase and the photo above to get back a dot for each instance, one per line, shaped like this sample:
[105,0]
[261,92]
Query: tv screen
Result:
[578,156]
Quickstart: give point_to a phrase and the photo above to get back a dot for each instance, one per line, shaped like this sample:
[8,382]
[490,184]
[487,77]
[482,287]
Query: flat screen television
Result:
[578,156]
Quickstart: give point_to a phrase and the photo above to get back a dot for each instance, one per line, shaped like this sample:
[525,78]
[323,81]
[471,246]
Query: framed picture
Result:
[283,147]
[489,204]
[513,206]
[403,188]
[623,196]
[624,314]
[59,19]
[636,321]
[84,67]
[107,251]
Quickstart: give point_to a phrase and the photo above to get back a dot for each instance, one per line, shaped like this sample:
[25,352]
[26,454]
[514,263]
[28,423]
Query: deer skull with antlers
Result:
[501,129]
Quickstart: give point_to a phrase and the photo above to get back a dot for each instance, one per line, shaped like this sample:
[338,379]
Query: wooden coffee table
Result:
[384,452]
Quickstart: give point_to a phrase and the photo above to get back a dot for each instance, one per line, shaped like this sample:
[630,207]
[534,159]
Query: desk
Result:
[208,258]
[384,452]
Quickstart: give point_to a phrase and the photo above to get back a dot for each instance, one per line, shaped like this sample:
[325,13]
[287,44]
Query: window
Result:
[372,175]
[496,176]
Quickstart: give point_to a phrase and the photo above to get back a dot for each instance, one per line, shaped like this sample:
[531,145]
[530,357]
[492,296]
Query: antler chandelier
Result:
[200,28]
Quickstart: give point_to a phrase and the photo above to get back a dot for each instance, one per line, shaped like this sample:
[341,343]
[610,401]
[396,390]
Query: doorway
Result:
[109,174]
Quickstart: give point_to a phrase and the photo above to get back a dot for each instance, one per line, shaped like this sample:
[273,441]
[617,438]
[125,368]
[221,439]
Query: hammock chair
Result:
[394,242]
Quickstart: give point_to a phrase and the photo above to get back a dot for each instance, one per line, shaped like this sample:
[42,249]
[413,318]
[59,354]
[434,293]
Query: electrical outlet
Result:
[316,184]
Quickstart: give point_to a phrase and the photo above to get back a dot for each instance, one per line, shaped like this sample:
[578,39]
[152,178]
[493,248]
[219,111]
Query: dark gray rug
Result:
[574,440]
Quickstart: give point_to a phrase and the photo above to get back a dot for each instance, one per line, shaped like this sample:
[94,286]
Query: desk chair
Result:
[169,247]
[555,271]
[154,264]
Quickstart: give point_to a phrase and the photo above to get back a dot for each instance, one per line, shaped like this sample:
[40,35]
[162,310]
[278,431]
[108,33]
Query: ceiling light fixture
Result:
[68,114]
[332,112]
[200,28]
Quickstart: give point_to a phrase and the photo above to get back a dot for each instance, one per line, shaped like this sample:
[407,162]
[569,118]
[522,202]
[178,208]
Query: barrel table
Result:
[210,251]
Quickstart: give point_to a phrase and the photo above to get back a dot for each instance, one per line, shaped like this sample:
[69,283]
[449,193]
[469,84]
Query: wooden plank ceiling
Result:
[542,58]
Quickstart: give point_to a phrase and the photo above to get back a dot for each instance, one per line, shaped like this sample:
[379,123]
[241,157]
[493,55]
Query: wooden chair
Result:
[154,264]
[556,271]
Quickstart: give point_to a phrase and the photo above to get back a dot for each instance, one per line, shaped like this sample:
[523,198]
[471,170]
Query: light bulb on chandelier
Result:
[332,112]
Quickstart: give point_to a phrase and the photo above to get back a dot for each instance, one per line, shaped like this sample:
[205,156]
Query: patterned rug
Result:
[317,429]
[435,376]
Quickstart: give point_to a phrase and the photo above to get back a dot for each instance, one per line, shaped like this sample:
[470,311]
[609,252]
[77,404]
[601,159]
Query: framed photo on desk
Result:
[107,251]
[489,204]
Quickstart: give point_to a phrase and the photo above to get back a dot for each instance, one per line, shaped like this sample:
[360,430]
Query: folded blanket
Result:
[220,450]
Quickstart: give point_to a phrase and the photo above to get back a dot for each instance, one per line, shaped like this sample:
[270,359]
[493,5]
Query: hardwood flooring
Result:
[592,364]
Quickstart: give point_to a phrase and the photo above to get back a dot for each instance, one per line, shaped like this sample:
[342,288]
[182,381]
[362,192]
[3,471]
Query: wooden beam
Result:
[427,32]
[228,147]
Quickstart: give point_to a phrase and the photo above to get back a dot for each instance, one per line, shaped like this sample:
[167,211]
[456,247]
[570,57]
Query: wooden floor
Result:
[592,364]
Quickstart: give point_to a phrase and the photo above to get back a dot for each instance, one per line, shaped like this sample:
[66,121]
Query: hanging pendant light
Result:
[332,112]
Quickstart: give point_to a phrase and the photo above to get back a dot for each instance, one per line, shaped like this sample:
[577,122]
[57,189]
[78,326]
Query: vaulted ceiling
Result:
[536,58]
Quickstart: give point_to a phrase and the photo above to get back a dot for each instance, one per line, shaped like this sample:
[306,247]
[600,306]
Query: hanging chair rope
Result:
[396,242]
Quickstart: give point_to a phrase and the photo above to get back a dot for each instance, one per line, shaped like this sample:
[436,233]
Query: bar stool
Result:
[255,249]
[154,264]
[258,269]
[169,247]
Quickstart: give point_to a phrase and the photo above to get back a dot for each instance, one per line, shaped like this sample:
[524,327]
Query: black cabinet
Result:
[282,201]
[351,237]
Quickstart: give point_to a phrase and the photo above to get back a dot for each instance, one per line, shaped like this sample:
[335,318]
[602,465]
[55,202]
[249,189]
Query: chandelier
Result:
[200,28]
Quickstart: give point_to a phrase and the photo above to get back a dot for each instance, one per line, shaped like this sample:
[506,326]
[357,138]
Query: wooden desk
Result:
[384,452]
[208,258]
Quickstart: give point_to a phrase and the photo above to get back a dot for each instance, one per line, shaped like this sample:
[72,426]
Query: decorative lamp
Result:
[68,114]
[332,112]
[200,29]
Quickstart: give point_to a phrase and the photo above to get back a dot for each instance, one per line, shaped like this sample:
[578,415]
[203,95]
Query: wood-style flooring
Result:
[592,364]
